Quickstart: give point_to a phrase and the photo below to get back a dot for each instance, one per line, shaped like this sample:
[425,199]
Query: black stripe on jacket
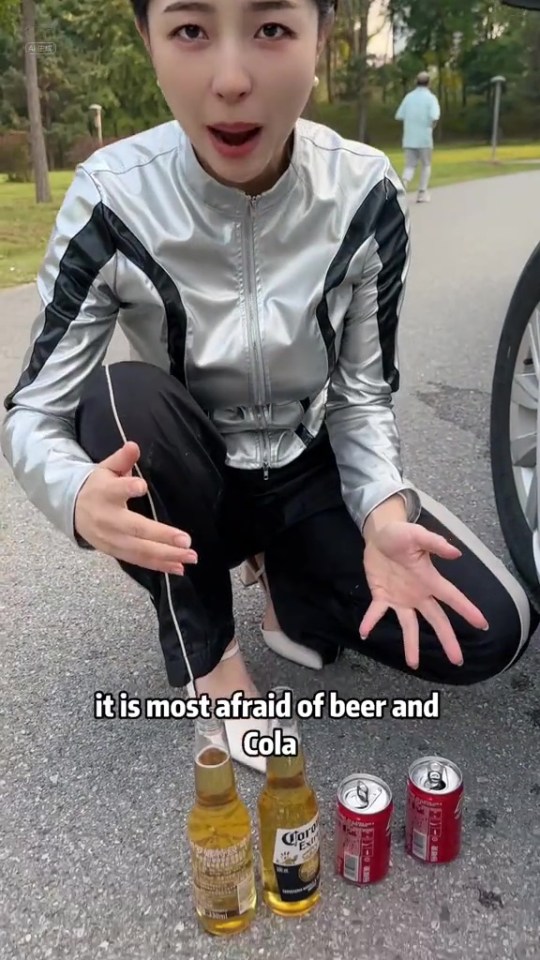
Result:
[86,254]
[380,215]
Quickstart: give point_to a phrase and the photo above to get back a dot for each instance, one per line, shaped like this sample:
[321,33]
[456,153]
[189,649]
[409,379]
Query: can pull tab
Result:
[366,798]
[435,779]
[362,792]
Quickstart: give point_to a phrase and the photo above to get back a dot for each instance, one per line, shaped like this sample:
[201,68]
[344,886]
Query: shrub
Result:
[84,146]
[15,158]
[518,121]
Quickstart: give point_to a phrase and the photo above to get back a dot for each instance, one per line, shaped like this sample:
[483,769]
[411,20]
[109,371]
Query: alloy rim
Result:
[524,420]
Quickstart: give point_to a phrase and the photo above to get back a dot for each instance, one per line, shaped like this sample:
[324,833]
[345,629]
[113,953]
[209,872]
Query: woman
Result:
[256,263]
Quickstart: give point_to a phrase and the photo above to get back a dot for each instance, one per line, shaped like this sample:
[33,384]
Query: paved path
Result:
[93,852]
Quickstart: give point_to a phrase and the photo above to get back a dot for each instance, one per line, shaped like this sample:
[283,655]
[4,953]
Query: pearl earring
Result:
[316,81]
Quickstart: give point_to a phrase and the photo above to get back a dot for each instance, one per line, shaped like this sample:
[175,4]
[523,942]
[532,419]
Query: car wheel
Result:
[514,424]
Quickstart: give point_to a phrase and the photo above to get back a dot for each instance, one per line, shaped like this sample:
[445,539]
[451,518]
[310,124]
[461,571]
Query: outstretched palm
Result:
[401,576]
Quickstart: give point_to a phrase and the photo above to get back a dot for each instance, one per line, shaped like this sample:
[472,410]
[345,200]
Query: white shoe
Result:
[423,197]
[280,643]
[236,729]
[276,640]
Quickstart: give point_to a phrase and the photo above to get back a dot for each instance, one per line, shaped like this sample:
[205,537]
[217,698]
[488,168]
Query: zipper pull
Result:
[265,469]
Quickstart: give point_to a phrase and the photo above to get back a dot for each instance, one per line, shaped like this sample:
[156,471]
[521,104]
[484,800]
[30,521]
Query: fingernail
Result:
[460,663]
[363,636]
[485,629]
[182,540]
[179,570]
[192,557]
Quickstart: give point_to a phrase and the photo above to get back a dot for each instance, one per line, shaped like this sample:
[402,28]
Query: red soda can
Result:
[434,810]
[363,828]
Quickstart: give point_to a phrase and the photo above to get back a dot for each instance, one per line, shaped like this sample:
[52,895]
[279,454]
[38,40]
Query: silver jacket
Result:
[277,312]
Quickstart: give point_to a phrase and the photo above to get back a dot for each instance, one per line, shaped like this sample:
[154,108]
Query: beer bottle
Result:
[219,833]
[288,816]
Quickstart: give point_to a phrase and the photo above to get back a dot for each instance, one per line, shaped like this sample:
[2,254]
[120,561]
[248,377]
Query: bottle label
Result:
[297,861]
[223,880]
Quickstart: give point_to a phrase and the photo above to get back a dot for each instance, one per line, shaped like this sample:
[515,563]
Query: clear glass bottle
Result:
[288,816]
[219,833]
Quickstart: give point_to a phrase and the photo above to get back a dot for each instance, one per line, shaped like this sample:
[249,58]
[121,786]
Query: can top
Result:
[435,775]
[364,793]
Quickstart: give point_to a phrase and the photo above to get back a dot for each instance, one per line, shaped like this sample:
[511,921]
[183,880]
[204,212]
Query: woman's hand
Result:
[103,519]
[401,576]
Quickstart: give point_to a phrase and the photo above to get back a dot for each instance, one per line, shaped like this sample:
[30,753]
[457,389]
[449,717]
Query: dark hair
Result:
[325,8]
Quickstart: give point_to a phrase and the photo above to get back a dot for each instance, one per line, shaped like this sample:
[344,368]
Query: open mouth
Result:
[237,139]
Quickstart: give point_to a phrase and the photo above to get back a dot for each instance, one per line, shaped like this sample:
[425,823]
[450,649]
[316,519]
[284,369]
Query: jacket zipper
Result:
[255,335]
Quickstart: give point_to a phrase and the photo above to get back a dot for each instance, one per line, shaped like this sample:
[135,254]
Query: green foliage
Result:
[350,78]
[490,58]
[478,39]
[466,43]
[433,27]
[10,11]
[95,55]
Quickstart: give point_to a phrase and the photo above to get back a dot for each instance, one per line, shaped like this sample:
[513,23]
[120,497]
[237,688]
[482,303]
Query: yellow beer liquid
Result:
[287,801]
[219,832]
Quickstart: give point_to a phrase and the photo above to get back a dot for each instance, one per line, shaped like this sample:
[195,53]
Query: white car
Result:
[515,423]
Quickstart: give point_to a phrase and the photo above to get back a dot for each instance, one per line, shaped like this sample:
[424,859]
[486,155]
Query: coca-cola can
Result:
[434,810]
[363,828]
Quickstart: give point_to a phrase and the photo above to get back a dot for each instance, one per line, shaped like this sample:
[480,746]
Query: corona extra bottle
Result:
[219,833]
[289,830]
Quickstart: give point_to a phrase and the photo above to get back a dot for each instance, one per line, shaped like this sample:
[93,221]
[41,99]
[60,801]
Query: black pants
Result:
[313,549]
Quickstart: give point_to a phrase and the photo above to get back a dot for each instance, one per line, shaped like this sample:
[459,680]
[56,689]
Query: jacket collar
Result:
[229,199]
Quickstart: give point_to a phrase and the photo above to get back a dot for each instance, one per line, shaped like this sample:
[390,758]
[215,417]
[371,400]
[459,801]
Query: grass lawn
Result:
[456,164]
[25,226]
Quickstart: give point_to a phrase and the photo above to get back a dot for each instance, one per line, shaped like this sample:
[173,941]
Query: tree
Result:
[436,31]
[407,66]
[121,76]
[37,138]
[353,27]
[490,58]
[100,58]
[532,61]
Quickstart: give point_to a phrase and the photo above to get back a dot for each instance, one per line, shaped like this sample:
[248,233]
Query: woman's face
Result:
[231,62]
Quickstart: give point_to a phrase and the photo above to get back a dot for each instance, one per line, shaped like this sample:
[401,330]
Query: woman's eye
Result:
[272,27]
[191,32]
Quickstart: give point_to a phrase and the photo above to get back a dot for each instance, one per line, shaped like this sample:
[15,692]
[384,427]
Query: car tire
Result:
[516,530]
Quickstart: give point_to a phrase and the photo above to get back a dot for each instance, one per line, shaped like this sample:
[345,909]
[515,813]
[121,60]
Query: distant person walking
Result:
[419,112]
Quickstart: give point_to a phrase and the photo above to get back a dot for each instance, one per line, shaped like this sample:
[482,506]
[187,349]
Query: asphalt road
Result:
[92,844]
